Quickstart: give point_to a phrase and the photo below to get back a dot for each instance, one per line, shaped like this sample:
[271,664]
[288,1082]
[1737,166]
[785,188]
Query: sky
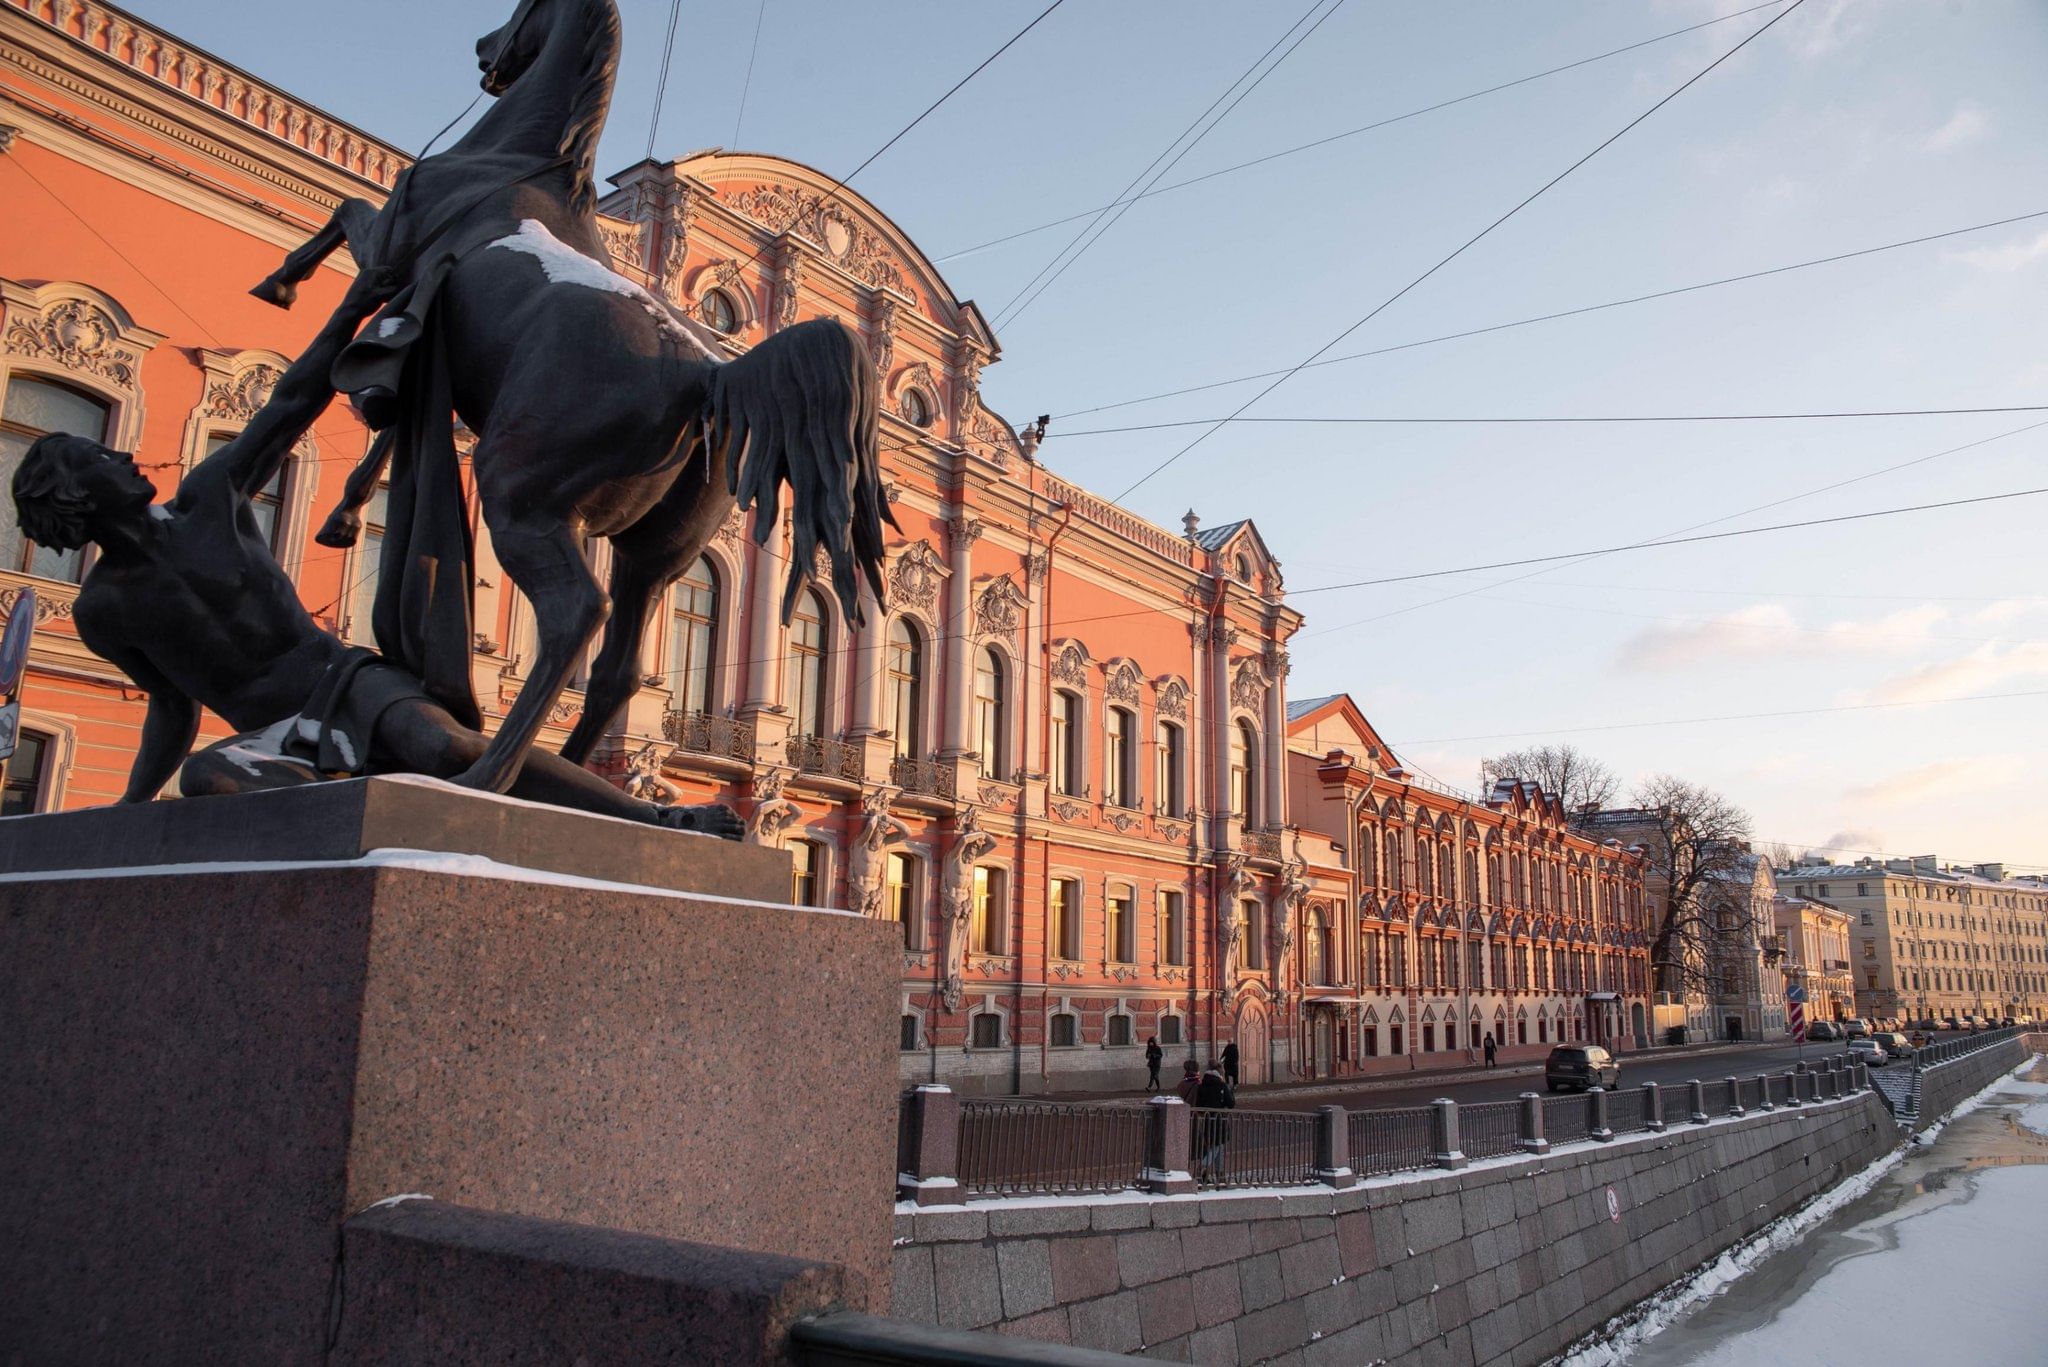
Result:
[1849,124]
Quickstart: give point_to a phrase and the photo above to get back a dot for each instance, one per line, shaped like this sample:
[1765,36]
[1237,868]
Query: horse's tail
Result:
[803,407]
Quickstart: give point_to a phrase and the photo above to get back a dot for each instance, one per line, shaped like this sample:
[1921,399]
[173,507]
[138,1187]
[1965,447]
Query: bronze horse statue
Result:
[598,409]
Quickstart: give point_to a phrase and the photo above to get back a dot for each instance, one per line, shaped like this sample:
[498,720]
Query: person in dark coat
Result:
[1230,1063]
[1489,1048]
[1212,1131]
[1190,1081]
[1154,1056]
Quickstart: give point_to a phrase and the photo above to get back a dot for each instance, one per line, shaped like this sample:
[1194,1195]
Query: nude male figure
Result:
[187,598]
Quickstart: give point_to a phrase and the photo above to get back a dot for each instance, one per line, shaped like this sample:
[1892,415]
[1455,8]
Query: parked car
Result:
[1894,1043]
[1583,1066]
[1855,1029]
[1823,1030]
[1951,1023]
[1867,1051]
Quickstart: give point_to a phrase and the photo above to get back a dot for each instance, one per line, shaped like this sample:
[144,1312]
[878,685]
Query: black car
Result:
[1583,1066]
[1823,1030]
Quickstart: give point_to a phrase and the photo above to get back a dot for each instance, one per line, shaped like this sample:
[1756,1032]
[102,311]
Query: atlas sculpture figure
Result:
[598,409]
[186,597]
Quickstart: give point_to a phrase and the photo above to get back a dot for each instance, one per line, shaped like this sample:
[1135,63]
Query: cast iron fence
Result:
[1253,1148]
[1566,1118]
[1627,1111]
[1393,1140]
[1014,1148]
[1488,1129]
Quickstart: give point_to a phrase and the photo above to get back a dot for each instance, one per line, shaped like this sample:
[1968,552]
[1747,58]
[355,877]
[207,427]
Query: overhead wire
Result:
[1463,247]
[1075,249]
[754,51]
[675,17]
[1349,133]
[1360,420]
[1560,314]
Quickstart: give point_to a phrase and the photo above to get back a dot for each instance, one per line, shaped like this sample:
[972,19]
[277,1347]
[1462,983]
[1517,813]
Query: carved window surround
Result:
[236,385]
[81,336]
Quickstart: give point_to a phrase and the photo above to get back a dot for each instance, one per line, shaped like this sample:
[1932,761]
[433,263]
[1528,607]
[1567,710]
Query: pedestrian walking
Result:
[1154,1056]
[1212,1096]
[1489,1048]
[1190,1081]
[1230,1063]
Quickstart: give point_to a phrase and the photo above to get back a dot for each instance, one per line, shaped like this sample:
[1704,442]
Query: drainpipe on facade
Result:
[1045,768]
[1216,912]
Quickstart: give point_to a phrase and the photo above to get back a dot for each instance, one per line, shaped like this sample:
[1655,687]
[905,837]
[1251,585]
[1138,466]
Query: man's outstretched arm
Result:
[254,457]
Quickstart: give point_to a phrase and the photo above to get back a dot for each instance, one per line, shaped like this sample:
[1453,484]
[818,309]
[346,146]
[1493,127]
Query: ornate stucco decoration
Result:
[914,578]
[1036,566]
[998,609]
[964,530]
[1068,811]
[675,238]
[1122,682]
[1173,698]
[967,391]
[864,858]
[733,531]
[73,328]
[882,345]
[49,605]
[1232,879]
[1125,822]
[772,812]
[970,846]
[842,238]
[1248,686]
[789,282]
[1070,664]
[1278,664]
[239,397]
[1222,633]
[626,243]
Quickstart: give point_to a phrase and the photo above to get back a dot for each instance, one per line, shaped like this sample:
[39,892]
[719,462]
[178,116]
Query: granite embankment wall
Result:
[1502,1263]
[1945,1085]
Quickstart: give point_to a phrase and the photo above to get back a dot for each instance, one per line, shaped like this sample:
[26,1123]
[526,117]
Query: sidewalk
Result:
[1392,1081]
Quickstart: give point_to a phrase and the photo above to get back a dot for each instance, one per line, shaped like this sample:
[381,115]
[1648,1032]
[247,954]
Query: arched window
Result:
[907,1034]
[693,636]
[1066,918]
[991,912]
[365,567]
[1066,1031]
[1172,926]
[1394,866]
[1123,926]
[1425,867]
[803,681]
[1066,743]
[806,865]
[991,731]
[27,774]
[905,663]
[1244,764]
[1369,856]
[1318,946]
[266,505]
[1171,794]
[1121,758]
[901,890]
[917,409]
[1254,934]
[719,313]
[34,408]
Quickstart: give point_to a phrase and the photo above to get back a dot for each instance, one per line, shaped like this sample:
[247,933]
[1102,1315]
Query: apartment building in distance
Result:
[1815,939]
[1934,941]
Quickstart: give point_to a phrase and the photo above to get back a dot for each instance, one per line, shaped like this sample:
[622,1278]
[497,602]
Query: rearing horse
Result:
[598,409]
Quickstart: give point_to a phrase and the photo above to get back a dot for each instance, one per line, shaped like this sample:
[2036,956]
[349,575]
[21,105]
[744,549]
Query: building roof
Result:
[1297,708]
[1215,538]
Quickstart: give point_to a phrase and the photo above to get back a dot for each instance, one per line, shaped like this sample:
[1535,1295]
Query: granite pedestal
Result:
[207,1071]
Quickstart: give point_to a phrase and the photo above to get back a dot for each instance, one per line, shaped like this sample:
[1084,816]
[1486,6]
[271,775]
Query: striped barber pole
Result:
[1795,1006]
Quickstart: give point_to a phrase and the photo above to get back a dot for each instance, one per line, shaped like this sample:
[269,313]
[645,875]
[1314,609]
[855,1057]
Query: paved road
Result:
[1636,1069]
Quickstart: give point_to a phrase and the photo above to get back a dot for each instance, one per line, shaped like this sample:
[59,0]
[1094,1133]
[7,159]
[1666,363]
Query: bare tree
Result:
[1781,855]
[1698,845]
[1566,772]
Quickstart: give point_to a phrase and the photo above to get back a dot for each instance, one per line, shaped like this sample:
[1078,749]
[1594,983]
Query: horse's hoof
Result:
[341,531]
[712,818]
[276,292]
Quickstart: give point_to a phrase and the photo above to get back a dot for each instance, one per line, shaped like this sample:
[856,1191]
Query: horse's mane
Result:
[596,74]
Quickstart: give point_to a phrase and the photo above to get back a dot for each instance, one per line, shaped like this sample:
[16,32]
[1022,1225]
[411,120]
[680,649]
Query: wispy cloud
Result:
[1770,630]
[1851,842]
[1943,778]
[2010,256]
[1967,125]
[1990,668]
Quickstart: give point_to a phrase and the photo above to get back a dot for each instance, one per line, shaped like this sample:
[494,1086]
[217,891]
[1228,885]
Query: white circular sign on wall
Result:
[1613,1206]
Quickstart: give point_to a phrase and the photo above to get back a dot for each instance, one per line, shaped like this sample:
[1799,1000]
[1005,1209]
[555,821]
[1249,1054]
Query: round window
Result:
[718,312]
[917,409]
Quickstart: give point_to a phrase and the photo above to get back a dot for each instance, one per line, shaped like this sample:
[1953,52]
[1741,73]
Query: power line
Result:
[1350,133]
[1563,313]
[1391,299]
[1569,418]
[1019,302]
[675,16]
[1710,522]
[760,14]
[1732,716]
[1669,541]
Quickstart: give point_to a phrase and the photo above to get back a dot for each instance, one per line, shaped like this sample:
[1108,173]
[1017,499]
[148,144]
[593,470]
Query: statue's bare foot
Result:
[712,818]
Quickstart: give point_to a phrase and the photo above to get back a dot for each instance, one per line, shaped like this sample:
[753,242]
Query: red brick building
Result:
[1064,759]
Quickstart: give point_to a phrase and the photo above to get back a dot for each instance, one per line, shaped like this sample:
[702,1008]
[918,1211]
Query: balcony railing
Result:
[701,733]
[821,755]
[926,777]
[1262,844]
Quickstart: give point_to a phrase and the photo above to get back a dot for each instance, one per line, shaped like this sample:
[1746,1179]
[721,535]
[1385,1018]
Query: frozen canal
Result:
[1938,1263]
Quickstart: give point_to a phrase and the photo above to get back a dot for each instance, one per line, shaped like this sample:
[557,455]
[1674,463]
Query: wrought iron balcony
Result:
[820,755]
[922,777]
[701,733]
[1262,844]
